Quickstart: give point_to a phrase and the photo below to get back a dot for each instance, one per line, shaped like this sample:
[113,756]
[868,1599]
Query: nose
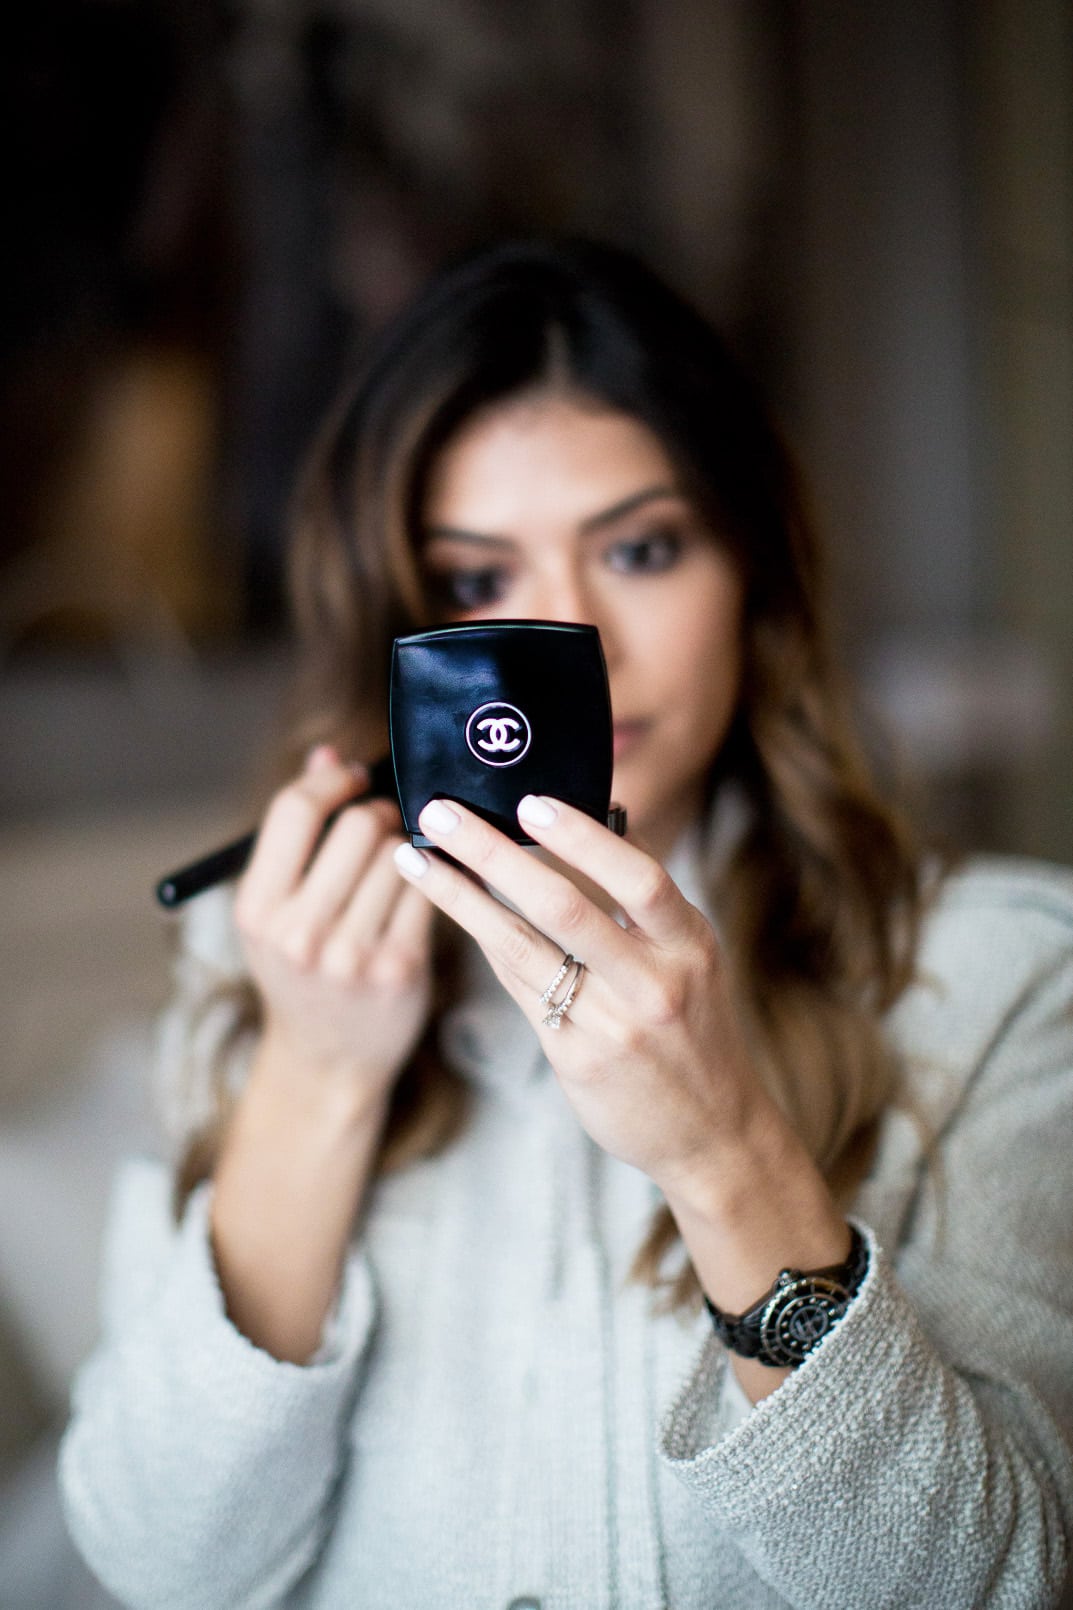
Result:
[568,598]
[568,587]
[563,597]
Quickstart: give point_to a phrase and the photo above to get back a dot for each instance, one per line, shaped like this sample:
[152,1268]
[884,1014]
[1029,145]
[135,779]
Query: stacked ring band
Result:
[559,1008]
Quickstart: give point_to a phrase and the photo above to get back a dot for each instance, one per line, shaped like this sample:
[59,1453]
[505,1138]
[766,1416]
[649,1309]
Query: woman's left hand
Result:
[651,1056]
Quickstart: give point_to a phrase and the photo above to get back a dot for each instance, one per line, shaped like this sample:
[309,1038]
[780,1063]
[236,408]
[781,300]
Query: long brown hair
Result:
[820,903]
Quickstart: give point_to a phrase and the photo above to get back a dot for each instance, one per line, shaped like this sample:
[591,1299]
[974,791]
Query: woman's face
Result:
[555,508]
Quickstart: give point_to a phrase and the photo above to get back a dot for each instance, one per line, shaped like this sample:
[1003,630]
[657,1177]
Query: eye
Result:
[649,554]
[464,590]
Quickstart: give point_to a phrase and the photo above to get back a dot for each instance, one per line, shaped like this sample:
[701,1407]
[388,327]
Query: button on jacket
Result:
[496,1417]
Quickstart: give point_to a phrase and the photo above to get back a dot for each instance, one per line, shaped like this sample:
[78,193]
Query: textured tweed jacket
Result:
[495,1417]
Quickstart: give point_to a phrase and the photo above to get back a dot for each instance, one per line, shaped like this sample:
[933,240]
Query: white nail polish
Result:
[410,862]
[536,811]
[438,817]
[321,757]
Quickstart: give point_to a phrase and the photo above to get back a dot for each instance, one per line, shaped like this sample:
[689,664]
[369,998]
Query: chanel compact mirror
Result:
[483,714]
[487,712]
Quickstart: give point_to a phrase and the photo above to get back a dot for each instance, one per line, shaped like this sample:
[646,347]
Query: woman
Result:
[430,1327]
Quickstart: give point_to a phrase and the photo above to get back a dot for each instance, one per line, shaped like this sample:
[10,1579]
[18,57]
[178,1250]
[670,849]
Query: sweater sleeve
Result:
[922,1455]
[197,1471]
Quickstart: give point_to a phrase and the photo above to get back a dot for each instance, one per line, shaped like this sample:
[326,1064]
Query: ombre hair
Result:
[820,902]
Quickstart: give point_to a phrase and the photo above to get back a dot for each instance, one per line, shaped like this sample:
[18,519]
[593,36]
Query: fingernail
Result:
[410,862]
[438,817]
[321,756]
[536,810]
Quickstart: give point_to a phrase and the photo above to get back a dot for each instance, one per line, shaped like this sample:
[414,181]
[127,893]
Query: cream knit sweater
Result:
[495,1417]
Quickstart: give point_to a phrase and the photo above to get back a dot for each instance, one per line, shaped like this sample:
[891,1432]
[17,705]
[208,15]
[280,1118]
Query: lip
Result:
[627,733]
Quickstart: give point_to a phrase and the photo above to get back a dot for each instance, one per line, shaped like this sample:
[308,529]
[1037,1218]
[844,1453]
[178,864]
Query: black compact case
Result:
[487,712]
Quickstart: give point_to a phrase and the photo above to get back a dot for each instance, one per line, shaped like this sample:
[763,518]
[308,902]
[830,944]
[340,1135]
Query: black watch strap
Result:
[796,1314]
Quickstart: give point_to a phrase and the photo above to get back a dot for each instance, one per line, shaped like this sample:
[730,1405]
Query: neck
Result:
[661,833]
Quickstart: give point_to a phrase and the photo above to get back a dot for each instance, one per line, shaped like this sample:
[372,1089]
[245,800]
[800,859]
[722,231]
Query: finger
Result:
[641,888]
[550,901]
[407,939]
[368,911]
[292,825]
[524,958]
[336,873]
[357,943]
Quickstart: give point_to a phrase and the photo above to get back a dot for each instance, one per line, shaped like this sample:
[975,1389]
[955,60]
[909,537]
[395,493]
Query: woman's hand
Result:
[336,943]
[651,1056]
[339,948]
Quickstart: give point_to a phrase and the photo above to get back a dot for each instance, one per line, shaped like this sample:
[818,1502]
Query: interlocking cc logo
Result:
[498,734]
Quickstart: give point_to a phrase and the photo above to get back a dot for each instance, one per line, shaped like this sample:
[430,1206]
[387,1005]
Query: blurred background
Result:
[210,205]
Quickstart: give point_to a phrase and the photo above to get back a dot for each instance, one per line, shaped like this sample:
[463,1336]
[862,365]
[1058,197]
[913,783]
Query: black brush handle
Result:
[229,860]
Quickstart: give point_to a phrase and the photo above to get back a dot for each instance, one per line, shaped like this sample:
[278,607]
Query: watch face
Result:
[799,1317]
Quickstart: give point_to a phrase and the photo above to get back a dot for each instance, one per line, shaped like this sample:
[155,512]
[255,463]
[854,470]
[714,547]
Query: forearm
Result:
[760,1206]
[287,1189]
[198,1472]
[878,1435]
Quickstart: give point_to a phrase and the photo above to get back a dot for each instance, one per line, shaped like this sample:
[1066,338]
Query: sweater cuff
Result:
[736,1463]
[195,1292]
[179,1412]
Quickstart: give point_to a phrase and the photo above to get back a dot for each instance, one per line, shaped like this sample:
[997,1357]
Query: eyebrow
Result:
[594,522]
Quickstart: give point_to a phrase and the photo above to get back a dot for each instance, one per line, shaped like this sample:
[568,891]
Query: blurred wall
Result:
[216,204]
[934,341]
[1023,88]
[873,201]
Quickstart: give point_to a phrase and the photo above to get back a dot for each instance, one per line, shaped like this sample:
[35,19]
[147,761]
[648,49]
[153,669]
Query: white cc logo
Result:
[500,730]
[498,734]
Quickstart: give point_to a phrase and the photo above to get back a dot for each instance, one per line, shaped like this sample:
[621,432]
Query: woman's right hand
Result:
[337,943]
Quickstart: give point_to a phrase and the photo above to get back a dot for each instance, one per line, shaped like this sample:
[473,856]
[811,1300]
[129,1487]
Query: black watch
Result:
[796,1314]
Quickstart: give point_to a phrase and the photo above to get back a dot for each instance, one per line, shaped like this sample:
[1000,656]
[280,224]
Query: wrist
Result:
[335,1088]
[725,1174]
[752,1211]
[789,1321]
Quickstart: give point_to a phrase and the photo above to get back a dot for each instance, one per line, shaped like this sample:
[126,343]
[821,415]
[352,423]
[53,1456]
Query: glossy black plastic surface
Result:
[486,712]
[445,683]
